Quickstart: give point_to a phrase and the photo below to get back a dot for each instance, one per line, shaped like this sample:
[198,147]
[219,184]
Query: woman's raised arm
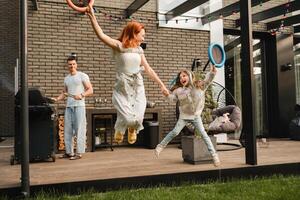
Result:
[115,44]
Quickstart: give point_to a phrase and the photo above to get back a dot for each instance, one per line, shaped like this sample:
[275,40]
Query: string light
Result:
[281,27]
[210,18]
[121,18]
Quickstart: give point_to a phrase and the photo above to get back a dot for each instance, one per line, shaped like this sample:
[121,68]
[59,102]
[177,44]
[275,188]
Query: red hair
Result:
[129,33]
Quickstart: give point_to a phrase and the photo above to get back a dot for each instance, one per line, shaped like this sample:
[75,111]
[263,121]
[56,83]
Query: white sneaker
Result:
[216,160]
[158,149]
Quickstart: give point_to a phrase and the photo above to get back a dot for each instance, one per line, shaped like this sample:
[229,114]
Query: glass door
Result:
[297,71]
[233,79]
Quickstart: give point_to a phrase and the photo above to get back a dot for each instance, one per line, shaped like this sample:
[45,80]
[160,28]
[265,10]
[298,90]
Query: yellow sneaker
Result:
[132,135]
[118,137]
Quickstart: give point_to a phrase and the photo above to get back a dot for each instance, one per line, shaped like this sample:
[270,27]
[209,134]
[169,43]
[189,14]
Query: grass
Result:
[275,187]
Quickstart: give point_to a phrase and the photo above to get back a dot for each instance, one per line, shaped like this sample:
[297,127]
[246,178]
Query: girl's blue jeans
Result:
[197,122]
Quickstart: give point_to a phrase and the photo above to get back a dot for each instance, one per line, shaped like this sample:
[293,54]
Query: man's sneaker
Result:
[66,155]
[76,157]
[216,160]
[158,149]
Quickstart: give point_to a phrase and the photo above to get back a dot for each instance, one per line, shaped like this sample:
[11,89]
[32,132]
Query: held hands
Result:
[164,91]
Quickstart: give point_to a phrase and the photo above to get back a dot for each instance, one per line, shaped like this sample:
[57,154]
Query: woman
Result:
[128,94]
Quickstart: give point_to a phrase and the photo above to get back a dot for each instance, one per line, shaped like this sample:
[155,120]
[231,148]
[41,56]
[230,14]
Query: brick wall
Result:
[8,54]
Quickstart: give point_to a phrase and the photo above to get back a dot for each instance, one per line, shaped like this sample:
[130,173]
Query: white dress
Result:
[129,97]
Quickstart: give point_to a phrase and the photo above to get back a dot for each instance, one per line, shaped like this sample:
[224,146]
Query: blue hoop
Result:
[210,55]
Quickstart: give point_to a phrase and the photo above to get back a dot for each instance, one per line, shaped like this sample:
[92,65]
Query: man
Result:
[76,87]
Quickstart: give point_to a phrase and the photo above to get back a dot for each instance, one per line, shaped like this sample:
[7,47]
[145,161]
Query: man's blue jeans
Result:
[75,125]
[197,122]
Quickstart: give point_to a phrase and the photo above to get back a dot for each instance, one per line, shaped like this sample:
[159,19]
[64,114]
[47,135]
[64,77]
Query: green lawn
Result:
[276,187]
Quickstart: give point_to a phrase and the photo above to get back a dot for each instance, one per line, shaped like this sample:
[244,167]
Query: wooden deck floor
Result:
[133,161]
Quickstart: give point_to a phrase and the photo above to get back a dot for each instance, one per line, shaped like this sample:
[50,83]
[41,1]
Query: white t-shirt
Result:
[75,86]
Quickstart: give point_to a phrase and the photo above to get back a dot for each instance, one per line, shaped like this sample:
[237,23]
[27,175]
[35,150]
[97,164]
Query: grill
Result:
[41,126]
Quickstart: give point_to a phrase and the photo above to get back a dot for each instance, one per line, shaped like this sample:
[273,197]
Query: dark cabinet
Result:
[102,131]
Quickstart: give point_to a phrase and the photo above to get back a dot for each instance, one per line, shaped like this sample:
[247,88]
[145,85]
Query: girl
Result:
[191,97]
[128,94]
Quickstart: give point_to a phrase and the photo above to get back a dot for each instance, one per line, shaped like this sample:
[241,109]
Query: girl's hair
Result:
[178,84]
[129,33]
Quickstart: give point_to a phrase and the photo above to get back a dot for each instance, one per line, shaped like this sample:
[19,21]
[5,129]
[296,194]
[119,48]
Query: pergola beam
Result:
[227,11]
[232,44]
[288,21]
[134,6]
[183,8]
[273,12]
[230,55]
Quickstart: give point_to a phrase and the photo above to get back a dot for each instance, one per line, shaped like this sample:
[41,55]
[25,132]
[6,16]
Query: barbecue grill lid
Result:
[36,97]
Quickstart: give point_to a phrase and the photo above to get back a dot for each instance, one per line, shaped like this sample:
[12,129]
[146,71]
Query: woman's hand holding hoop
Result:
[78,8]
[90,11]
